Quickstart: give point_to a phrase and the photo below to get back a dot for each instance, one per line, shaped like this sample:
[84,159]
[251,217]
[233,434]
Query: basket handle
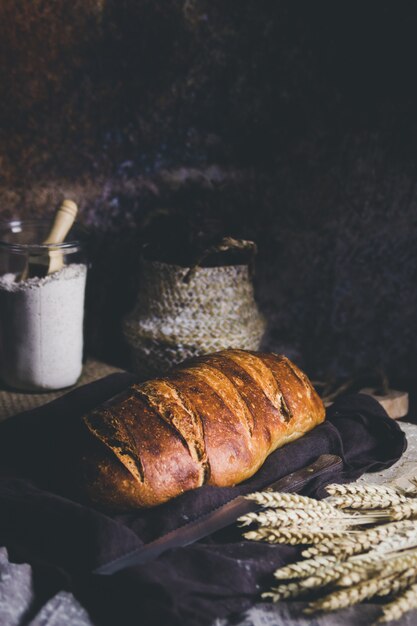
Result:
[226,244]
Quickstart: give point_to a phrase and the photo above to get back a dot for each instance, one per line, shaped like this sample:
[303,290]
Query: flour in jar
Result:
[41,329]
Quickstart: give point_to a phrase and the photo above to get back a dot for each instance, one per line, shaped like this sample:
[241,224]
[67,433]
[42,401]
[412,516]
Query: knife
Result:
[218,518]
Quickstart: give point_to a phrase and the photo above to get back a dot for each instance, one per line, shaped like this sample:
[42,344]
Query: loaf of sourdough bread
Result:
[212,420]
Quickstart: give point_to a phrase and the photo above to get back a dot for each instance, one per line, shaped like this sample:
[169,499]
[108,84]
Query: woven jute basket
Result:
[181,313]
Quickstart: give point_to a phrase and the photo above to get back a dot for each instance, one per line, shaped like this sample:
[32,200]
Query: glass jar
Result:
[41,313]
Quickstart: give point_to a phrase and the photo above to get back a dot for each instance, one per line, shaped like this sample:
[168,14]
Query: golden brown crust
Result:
[225,389]
[226,438]
[212,420]
[168,468]
[307,409]
[166,400]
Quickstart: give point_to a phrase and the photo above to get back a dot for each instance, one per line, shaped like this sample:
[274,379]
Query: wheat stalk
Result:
[331,574]
[345,574]
[284,592]
[341,549]
[330,547]
[306,585]
[406,510]
[278,500]
[399,583]
[365,568]
[354,489]
[349,573]
[362,541]
[276,517]
[358,501]
[397,542]
[308,567]
[364,496]
[378,586]
[375,556]
[389,530]
[304,569]
[401,511]
[406,601]
[291,535]
[353,564]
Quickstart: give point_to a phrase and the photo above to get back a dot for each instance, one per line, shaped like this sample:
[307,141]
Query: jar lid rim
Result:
[15,225]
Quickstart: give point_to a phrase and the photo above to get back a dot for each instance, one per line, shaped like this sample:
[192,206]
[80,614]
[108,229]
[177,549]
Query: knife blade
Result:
[219,518]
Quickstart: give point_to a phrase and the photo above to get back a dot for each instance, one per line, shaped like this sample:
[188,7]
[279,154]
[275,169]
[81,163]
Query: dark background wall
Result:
[291,123]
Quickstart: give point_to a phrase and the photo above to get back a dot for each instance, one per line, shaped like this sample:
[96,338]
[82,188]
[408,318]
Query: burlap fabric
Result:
[175,318]
[13,402]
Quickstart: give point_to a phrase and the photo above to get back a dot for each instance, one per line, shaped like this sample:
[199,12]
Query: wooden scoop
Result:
[43,264]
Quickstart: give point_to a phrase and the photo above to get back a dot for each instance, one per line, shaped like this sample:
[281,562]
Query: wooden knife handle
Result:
[295,481]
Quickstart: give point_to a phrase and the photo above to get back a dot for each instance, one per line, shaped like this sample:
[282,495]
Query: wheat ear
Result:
[330,547]
[354,489]
[406,601]
[362,542]
[367,568]
[308,567]
[405,510]
[278,500]
[399,583]
[276,518]
[378,586]
[284,592]
[364,496]
[304,569]
[341,549]
[331,574]
[340,574]
[321,578]
[291,535]
[365,501]
[291,517]
[396,542]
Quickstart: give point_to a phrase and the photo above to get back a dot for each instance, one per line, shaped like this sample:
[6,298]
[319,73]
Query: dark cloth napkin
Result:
[65,539]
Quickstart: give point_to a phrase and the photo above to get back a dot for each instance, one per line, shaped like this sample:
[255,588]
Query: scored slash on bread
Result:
[212,420]
[169,404]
